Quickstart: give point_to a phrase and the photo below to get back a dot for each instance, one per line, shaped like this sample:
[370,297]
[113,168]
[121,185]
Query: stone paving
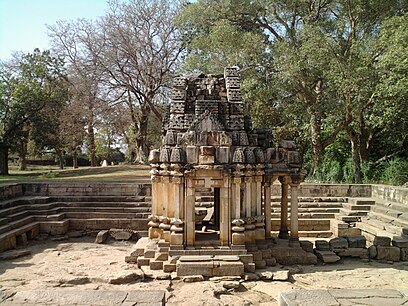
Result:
[77,297]
[335,297]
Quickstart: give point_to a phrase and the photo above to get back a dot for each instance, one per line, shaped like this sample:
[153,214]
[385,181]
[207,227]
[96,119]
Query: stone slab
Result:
[374,297]
[400,242]
[90,297]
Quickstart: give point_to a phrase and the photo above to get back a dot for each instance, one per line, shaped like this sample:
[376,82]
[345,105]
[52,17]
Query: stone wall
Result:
[390,193]
[86,189]
[329,190]
[9,191]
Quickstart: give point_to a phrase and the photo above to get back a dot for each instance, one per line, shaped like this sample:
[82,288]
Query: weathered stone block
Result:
[337,244]
[270,262]
[257,255]
[194,268]
[156,265]
[223,155]
[356,241]
[372,251]
[353,252]
[404,254]
[168,267]
[206,160]
[249,267]
[192,154]
[382,240]
[228,268]
[400,242]
[176,238]
[260,264]
[327,256]
[161,256]
[141,261]
[307,246]
[388,253]
[149,254]
[322,245]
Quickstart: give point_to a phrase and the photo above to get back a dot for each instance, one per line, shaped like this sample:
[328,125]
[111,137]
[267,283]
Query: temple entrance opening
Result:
[207,216]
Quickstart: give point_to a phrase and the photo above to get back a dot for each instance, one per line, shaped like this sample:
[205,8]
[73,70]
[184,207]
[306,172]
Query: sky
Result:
[23,22]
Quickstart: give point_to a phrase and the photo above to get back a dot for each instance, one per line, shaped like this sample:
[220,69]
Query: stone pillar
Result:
[225,219]
[267,209]
[294,224]
[165,195]
[178,197]
[155,194]
[254,197]
[189,227]
[248,196]
[258,180]
[236,198]
[283,231]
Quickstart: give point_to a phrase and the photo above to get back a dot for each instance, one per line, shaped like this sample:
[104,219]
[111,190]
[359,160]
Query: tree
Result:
[135,47]
[277,46]
[29,85]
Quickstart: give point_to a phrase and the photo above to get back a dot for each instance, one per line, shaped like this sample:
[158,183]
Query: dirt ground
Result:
[81,264]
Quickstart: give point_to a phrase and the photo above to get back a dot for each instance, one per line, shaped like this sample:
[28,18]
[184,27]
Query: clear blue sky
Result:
[23,22]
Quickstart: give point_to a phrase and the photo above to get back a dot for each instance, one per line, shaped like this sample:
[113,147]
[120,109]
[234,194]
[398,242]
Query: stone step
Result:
[392,205]
[372,230]
[306,215]
[313,199]
[50,217]
[347,212]
[312,210]
[204,198]
[23,200]
[306,224]
[16,224]
[386,211]
[204,204]
[361,201]
[348,218]
[357,207]
[207,252]
[382,226]
[92,198]
[309,234]
[99,215]
[8,239]
[107,223]
[311,205]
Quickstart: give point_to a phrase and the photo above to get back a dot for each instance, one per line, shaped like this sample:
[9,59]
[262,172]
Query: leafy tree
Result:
[30,86]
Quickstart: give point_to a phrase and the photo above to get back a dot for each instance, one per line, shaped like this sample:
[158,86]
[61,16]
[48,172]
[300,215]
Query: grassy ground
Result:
[95,174]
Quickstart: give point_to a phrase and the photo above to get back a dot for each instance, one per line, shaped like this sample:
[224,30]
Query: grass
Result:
[136,173]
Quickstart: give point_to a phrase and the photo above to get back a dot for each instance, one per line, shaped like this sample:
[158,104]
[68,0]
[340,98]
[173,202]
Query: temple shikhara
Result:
[212,176]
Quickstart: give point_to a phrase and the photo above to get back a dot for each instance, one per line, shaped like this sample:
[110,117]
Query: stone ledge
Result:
[331,297]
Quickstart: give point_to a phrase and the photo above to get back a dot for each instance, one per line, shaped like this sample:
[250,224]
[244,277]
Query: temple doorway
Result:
[207,216]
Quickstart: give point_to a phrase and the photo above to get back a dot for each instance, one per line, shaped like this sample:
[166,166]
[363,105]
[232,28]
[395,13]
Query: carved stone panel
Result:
[236,122]
[234,94]
[176,121]
[179,82]
[230,72]
[177,107]
[232,82]
[236,108]
[178,94]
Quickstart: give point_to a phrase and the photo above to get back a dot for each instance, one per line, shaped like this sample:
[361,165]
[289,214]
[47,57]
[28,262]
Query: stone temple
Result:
[212,177]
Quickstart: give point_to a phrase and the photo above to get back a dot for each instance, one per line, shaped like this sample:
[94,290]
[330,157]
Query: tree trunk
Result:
[60,155]
[144,120]
[91,139]
[22,154]
[4,160]
[317,152]
[75,158]
[355,155]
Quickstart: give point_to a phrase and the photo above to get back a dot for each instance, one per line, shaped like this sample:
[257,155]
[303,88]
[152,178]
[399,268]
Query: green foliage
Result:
[395,172]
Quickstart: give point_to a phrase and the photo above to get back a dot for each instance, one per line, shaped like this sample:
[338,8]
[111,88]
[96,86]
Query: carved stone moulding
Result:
[236,122]
[176,121]
[179,82]
[178,94]
[231,72]
[177,107]
[234,94]
[249,156]
[238,157]
[236,108]
[232,82]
